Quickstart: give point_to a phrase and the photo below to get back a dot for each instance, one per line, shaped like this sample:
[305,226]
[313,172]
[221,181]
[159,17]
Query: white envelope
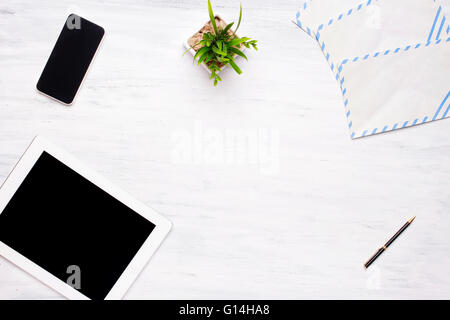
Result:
[312,13]
[367,47]
[383,25]
[399,90]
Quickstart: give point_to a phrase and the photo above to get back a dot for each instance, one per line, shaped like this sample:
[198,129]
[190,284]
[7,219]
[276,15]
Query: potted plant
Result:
[216,45]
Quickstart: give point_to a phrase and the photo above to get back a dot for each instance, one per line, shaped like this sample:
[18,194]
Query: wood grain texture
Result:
[268,195]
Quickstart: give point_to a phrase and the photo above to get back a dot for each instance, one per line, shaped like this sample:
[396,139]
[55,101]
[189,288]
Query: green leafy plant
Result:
[220,48]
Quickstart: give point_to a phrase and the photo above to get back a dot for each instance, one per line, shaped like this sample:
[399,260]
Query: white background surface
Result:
[298,220]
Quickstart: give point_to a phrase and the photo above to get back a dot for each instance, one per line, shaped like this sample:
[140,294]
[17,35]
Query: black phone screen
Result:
[70,59]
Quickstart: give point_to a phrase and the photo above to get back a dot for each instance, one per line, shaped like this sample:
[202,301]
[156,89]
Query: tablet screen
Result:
[61,221]
[70,58]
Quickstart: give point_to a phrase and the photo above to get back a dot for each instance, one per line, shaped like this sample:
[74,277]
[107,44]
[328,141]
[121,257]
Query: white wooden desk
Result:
[292,214]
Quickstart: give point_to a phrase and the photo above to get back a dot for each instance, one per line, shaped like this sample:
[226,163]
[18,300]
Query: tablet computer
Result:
[72,229]
[70,59]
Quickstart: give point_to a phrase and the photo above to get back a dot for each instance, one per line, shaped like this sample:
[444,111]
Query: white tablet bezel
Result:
[136,265]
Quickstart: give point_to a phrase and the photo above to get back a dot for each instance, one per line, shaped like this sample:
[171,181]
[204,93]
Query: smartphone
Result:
[70,59]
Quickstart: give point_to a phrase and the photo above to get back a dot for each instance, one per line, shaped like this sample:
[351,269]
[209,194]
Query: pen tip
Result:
[412,219]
